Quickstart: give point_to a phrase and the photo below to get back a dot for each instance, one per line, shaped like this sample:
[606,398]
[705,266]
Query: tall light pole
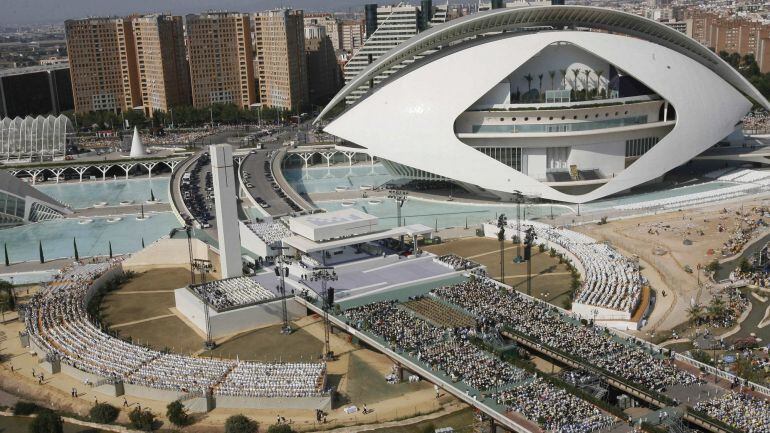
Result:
[399,196]
[282,270]
[502,222]
[529,240]
[324,274]
[518,258]
[204,267]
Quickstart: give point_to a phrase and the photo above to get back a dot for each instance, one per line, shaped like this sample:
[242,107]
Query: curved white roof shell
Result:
[410,119]
[558,17]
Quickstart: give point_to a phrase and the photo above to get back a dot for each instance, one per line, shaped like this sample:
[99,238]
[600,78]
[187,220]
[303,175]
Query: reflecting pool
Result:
[437,213]
[81,195]
[330,179]
[92,238]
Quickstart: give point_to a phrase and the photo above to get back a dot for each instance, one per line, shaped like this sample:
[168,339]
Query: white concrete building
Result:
[520,100]
[227,212]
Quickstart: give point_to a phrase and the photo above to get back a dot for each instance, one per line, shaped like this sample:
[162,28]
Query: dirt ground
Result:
[269,345]
[550,279]
[668,232]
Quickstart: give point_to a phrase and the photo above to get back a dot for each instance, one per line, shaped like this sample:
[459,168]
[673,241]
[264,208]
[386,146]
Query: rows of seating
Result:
[266,380]
[565,413]
[696,198]
[58,324]
[611,280]
[745,175]
[449,351]
[456,262]
[271,232]
[741,411]
[438,313]
[232,292]
[495,307]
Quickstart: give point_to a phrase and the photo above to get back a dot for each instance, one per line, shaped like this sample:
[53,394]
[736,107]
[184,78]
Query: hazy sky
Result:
[53,11]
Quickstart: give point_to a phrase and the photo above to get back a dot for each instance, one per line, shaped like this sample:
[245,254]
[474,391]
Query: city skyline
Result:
[29,12]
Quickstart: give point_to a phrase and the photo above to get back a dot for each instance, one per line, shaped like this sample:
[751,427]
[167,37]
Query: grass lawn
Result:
[549,277]
[269,345]
[367,385]
[169,332]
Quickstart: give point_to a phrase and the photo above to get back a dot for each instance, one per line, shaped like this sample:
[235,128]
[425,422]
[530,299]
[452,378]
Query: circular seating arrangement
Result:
[57,322]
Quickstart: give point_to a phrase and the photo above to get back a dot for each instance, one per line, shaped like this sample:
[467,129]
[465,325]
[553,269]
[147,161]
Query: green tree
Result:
[575,79]
[241,424]
[103,413]
[529,79]
[716,308]
[563,73]
[176,413]
[599,73]
[552,74]
[142,419]
[47,421]
[540,86]
[695,313]
[280,428]
[745,266]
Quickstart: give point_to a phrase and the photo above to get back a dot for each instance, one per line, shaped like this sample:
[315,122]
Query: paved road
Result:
[254,165]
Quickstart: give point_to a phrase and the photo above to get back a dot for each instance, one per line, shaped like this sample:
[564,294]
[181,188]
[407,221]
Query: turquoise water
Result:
[441,214]
[92,239]
[323,179]
[81,195]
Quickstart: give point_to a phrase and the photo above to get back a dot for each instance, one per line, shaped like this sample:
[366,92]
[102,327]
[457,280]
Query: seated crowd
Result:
[232,292]
[456,262]
[271,232]
[564,412]
[545,324]
[751,415]
[58,324]
[448,350]
[610,281]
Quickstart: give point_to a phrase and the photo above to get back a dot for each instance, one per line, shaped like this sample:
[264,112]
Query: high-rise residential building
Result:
[103,64]
[324,74]
[279,37]
[395,24]
[731,34]
[330,23]
[352,35]
[164,75]
[221,59]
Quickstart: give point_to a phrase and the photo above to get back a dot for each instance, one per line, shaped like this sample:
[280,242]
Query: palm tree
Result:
[716,308]
[695,313]
[502,221]
[529,79]
[587,72]
[540,86]
[563,73]
[599,73]
[575,74]
[551,74]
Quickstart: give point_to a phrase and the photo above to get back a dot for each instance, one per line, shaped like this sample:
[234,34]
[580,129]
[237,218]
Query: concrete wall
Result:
[165,253]
[304,403]
[234,321]
[151,393]
[252,242]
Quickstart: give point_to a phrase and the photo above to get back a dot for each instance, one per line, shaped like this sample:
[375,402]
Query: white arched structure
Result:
[34,138]
[426,99]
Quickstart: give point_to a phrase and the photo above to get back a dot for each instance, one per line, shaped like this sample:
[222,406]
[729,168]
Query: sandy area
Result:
[689,238]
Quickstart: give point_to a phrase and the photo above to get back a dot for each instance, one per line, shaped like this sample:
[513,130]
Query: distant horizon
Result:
[45,12]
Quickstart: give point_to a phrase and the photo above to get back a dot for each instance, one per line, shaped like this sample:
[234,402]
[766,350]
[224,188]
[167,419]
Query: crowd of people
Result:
[502,308]
[611,280]
[271,232]
[751,415]
[449,351]
[58,325]
[232,292]
[456,262]
[564,412]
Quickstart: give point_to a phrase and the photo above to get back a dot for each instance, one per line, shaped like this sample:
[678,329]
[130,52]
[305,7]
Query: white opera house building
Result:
[565,103]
